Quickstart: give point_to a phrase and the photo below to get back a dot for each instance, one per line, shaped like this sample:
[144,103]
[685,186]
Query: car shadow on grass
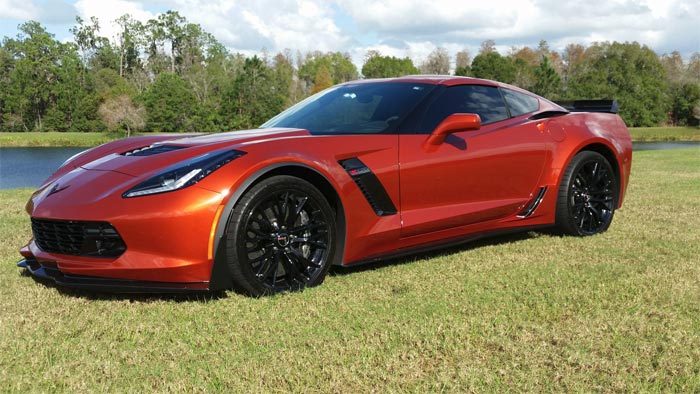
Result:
[204,297]
[463,246]
[94,295]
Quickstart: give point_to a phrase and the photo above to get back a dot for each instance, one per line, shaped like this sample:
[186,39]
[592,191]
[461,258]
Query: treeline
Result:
[169,75]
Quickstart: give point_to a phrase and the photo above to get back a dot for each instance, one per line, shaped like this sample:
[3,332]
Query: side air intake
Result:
[370,186]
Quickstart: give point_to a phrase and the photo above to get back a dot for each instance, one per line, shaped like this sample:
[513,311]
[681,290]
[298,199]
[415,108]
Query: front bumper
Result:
[49,272]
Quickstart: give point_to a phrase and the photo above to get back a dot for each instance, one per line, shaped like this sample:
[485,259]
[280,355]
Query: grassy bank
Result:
[56,139]
[665,133]
[533,312]
[93,139]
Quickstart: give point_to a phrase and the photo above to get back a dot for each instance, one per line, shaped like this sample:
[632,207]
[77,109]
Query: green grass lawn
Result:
[93,139]
[617,312]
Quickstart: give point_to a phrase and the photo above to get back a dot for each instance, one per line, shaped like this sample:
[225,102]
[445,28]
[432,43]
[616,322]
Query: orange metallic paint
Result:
[473,179]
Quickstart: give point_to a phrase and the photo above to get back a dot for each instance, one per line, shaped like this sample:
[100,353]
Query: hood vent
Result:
[152,150]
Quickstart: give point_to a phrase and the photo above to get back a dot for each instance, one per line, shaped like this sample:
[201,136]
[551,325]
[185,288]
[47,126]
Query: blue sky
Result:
[394,27]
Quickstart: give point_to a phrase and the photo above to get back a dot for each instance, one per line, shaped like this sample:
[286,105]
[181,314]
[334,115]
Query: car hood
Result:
[145,161]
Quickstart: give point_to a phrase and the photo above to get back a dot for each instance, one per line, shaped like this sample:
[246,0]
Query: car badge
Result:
[57,188]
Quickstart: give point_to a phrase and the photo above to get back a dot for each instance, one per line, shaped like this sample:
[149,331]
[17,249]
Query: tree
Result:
[87,39]
[487,47]
[284,75]
[685,105]
[253,97]
[462,63]
[629,72]
[378,66]
[127,42]
[492,65]
[323,80]
[34,75]
[73,105]
[547,80]
[170,104]
[120,111]
[7,118]
[525,60]
[170,27]
[438,62]
[338,64]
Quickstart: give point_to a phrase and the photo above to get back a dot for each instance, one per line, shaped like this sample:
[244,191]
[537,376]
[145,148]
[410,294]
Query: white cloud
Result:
[18,9]
[109,10]
[661,24]
[399,28]
[272,24]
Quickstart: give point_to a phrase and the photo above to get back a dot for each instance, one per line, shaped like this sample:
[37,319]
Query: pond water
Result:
[664,145]
[28,167]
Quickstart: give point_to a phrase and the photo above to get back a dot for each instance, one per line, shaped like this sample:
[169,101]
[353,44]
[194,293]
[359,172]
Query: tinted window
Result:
[366,108]
[470,99]
[520,103]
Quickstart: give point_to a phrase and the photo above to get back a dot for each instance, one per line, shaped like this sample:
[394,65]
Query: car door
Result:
[474,176]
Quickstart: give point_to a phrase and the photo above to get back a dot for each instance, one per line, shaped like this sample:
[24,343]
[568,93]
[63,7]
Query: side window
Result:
[486,101]
[520,103]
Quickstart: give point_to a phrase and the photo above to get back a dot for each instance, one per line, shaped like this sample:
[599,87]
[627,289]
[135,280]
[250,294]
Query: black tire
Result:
[587,196]
[281,236]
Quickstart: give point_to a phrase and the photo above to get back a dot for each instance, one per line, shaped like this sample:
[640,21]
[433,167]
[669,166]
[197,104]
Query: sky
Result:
[399,28]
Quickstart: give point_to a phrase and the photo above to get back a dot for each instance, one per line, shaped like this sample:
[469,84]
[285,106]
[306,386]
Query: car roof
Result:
[452,80]
[448,80]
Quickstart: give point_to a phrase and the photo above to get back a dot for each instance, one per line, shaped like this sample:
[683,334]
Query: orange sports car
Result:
[359,172]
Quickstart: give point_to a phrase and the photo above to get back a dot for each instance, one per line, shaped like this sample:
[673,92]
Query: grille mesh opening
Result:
[77,238]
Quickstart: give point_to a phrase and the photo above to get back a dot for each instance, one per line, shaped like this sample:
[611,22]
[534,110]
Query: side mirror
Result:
[453,124]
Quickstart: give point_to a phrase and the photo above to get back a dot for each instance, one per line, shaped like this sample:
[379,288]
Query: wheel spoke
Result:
[262,257]
[265,224]
[276,264]
[309,241]
[259,234]
[297,211]
[303,260]
[306,227]
[291,269]
[596,214]
[265,267]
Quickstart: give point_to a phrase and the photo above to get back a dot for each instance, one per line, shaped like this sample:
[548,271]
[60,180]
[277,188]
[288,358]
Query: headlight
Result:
[183,174]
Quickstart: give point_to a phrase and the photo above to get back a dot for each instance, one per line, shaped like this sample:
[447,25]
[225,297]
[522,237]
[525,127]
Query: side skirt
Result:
[444,244]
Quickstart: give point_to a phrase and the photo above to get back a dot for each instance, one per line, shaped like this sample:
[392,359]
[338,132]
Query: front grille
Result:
[76,238]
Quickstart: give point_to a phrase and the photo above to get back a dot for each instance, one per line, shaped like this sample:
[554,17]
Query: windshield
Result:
[364,108]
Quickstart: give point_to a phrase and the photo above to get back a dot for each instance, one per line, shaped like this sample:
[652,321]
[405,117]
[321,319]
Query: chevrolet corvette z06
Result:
[362,171]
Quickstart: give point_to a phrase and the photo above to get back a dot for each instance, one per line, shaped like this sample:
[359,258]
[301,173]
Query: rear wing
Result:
[610,106]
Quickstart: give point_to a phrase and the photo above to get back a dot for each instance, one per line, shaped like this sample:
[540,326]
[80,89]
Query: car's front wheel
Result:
[587,195]
[281,236]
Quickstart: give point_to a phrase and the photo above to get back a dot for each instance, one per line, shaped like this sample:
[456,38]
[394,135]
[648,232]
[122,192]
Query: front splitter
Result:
[107,285]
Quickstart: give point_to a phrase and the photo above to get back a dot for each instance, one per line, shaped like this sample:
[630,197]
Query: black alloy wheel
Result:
[281,236]
[587,196]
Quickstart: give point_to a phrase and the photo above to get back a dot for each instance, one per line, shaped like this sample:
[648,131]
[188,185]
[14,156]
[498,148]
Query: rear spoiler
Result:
[610,106]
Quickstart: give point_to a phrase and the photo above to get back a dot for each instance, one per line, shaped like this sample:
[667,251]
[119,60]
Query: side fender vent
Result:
[370,186]
[534,203]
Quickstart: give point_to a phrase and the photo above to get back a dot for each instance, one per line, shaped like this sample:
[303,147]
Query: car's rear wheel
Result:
[587,195]
[281,236]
